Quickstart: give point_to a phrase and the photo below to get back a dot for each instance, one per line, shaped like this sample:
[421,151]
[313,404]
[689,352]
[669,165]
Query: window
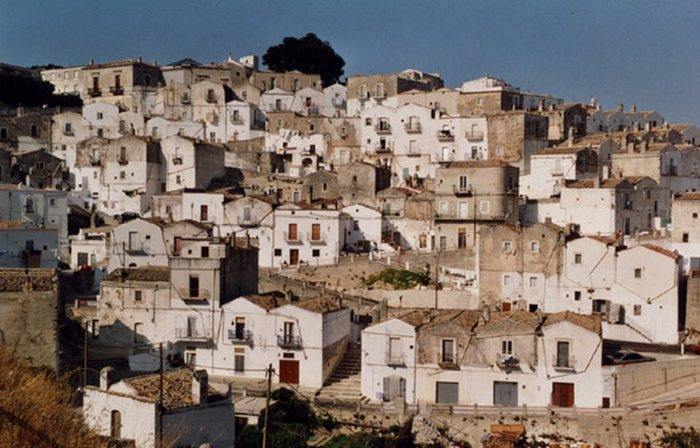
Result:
[204,213]
[506,347]
[316,253]
[194,286]
[100,115]
[461,238]
[638,273]
[499,151]
[599,306]
[191,359]
[239,360]
[480,101]
[532,307]
[448,351]
[278,252]
[533,282]
[115,424]
[507,247]
[178,180]
[205,251]
[463,183]
[312,127]
[563,350]
[34,130]
[68,128]
[577,258]
[484,206]
[534,246]
[686,237]
[138,330]
[577,295]
[95,323]
[379,90]
[138,295]
[3,133]
[695,216]
[506,280]
[122,175]
[29,206]
[368,122]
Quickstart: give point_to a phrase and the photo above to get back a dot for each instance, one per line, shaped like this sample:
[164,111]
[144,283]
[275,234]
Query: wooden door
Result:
[293,257]
[292,232]
[315,232]
[563,395]
[289,371]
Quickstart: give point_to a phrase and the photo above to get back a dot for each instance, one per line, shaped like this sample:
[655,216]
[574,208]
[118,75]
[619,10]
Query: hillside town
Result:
[479,260]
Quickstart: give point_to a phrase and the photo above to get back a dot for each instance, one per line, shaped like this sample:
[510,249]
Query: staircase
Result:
[344,383]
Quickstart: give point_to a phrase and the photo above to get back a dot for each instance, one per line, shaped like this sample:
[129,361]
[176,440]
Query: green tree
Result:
[308,54]
[689,438]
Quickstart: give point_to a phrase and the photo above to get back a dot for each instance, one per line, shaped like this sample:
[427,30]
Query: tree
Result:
[308,54]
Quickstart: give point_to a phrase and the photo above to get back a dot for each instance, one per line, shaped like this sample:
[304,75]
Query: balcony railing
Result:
[237,120]
[445,136]
[177,160]
[566,363]
[211,100]
[289,342]
[240,337]
[474,135]
[413,128]
[68,132]
[293,237]
[191,334]
[243,222]
[316,239]
[94,92]
[414,152]
[116,90]
[395,359]
[382,128]
[448,361]
[382,149]
[508,361]
[459,190]
[122,160]
[136,248]
[444,158]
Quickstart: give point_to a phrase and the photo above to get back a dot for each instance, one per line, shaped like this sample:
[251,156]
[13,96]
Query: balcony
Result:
[237,120]
[382,128]
[448,361]
[444,158]
[459,190]
[445,136]
[386,148]
[191,334]
[244,337]
[136,248]
[564,364]
[116,90]
[211,100]
[292,238]
[185,99]
[474,136]
[68,132]
[413,128]
[94,92]
[122,160]
[395,359]
[508,362]
[243,222]
[177,160]
[316,239]
[289,342]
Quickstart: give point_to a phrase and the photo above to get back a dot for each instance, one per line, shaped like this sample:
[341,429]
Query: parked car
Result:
[625,357]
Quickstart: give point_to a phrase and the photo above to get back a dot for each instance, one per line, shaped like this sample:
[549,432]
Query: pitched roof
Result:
[142,274]
[478,164]
[590,322]
[675,255]
[267,301]
[320,305]
[563,150]
[177,388]
[690,196]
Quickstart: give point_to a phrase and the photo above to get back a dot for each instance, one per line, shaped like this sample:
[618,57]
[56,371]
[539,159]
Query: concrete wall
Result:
[139,418]
[639,381]
[213,424]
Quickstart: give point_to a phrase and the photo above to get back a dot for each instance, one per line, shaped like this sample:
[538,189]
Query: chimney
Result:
[105,376]
[643,146]
[636,127]
[541,106]
[633,108]
[620,107]
[647,126]
[139,59]
[91,62]
[486,313]
[630,147]
[200,387]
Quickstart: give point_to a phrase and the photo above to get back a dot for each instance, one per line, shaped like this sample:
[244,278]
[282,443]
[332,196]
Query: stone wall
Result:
[28,314]
[640,381]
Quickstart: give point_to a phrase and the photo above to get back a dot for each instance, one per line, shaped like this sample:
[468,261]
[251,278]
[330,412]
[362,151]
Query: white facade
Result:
[102,119]
[160,128]
[309,236]
[137,243]
[190,164]
[23,246]
[363,228]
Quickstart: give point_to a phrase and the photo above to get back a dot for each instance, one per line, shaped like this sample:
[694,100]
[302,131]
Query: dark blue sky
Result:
[643,52]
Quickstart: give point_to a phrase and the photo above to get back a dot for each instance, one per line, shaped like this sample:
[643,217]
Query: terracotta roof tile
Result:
[478,164]
[590,322]
[268,301]
[320,305]
[177,388]
[675,255]
[142,274]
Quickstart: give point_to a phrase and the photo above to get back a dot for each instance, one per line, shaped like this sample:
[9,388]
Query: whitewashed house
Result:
[68,128]
[303,340]
[276,100]
[685,233]
[23,245]
[102,119]
[137,243]
[362,228]
[306,234]
[190,163]
[193,413]
[159,128]
[90,247]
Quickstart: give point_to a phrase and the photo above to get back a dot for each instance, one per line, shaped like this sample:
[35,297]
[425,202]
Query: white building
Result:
[362,228]
[303,340]
[22,245]
[160,128]
[306,235]
[137,243]
[90,247]
[193,413]
[190,163]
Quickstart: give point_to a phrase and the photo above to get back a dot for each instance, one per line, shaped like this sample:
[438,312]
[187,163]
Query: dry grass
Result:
[36,409]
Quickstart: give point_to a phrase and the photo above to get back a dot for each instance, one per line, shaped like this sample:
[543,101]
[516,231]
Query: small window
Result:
[533,282]
[34,130]
[534,246]
[506,280]
[316,253]
[577,258]
[507,247]
[695,216]
[532,307]
[278,252]
[368,122]
[638,273]
[3,133]
[506,347]
[100,115]
[638,310]
[577,295]
[194,286]
[205,251]
[686,237]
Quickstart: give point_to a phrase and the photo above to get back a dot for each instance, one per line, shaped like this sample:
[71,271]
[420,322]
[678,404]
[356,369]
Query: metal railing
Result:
[293,237]
[386,148]
[395,359]
[240,337]
[459,190]
[289,341]
[94,92]
[474,135]
[382,128]
[566,363]
[191,334]
[413,128]
[445,136]
[116,90]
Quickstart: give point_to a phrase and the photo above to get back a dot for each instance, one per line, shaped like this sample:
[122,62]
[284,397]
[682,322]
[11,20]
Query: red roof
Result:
[675,255]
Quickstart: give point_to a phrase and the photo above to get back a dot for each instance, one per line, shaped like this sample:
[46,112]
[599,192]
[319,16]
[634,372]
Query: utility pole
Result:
[437,275]
[160,399]
[267,405]
[85,354]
